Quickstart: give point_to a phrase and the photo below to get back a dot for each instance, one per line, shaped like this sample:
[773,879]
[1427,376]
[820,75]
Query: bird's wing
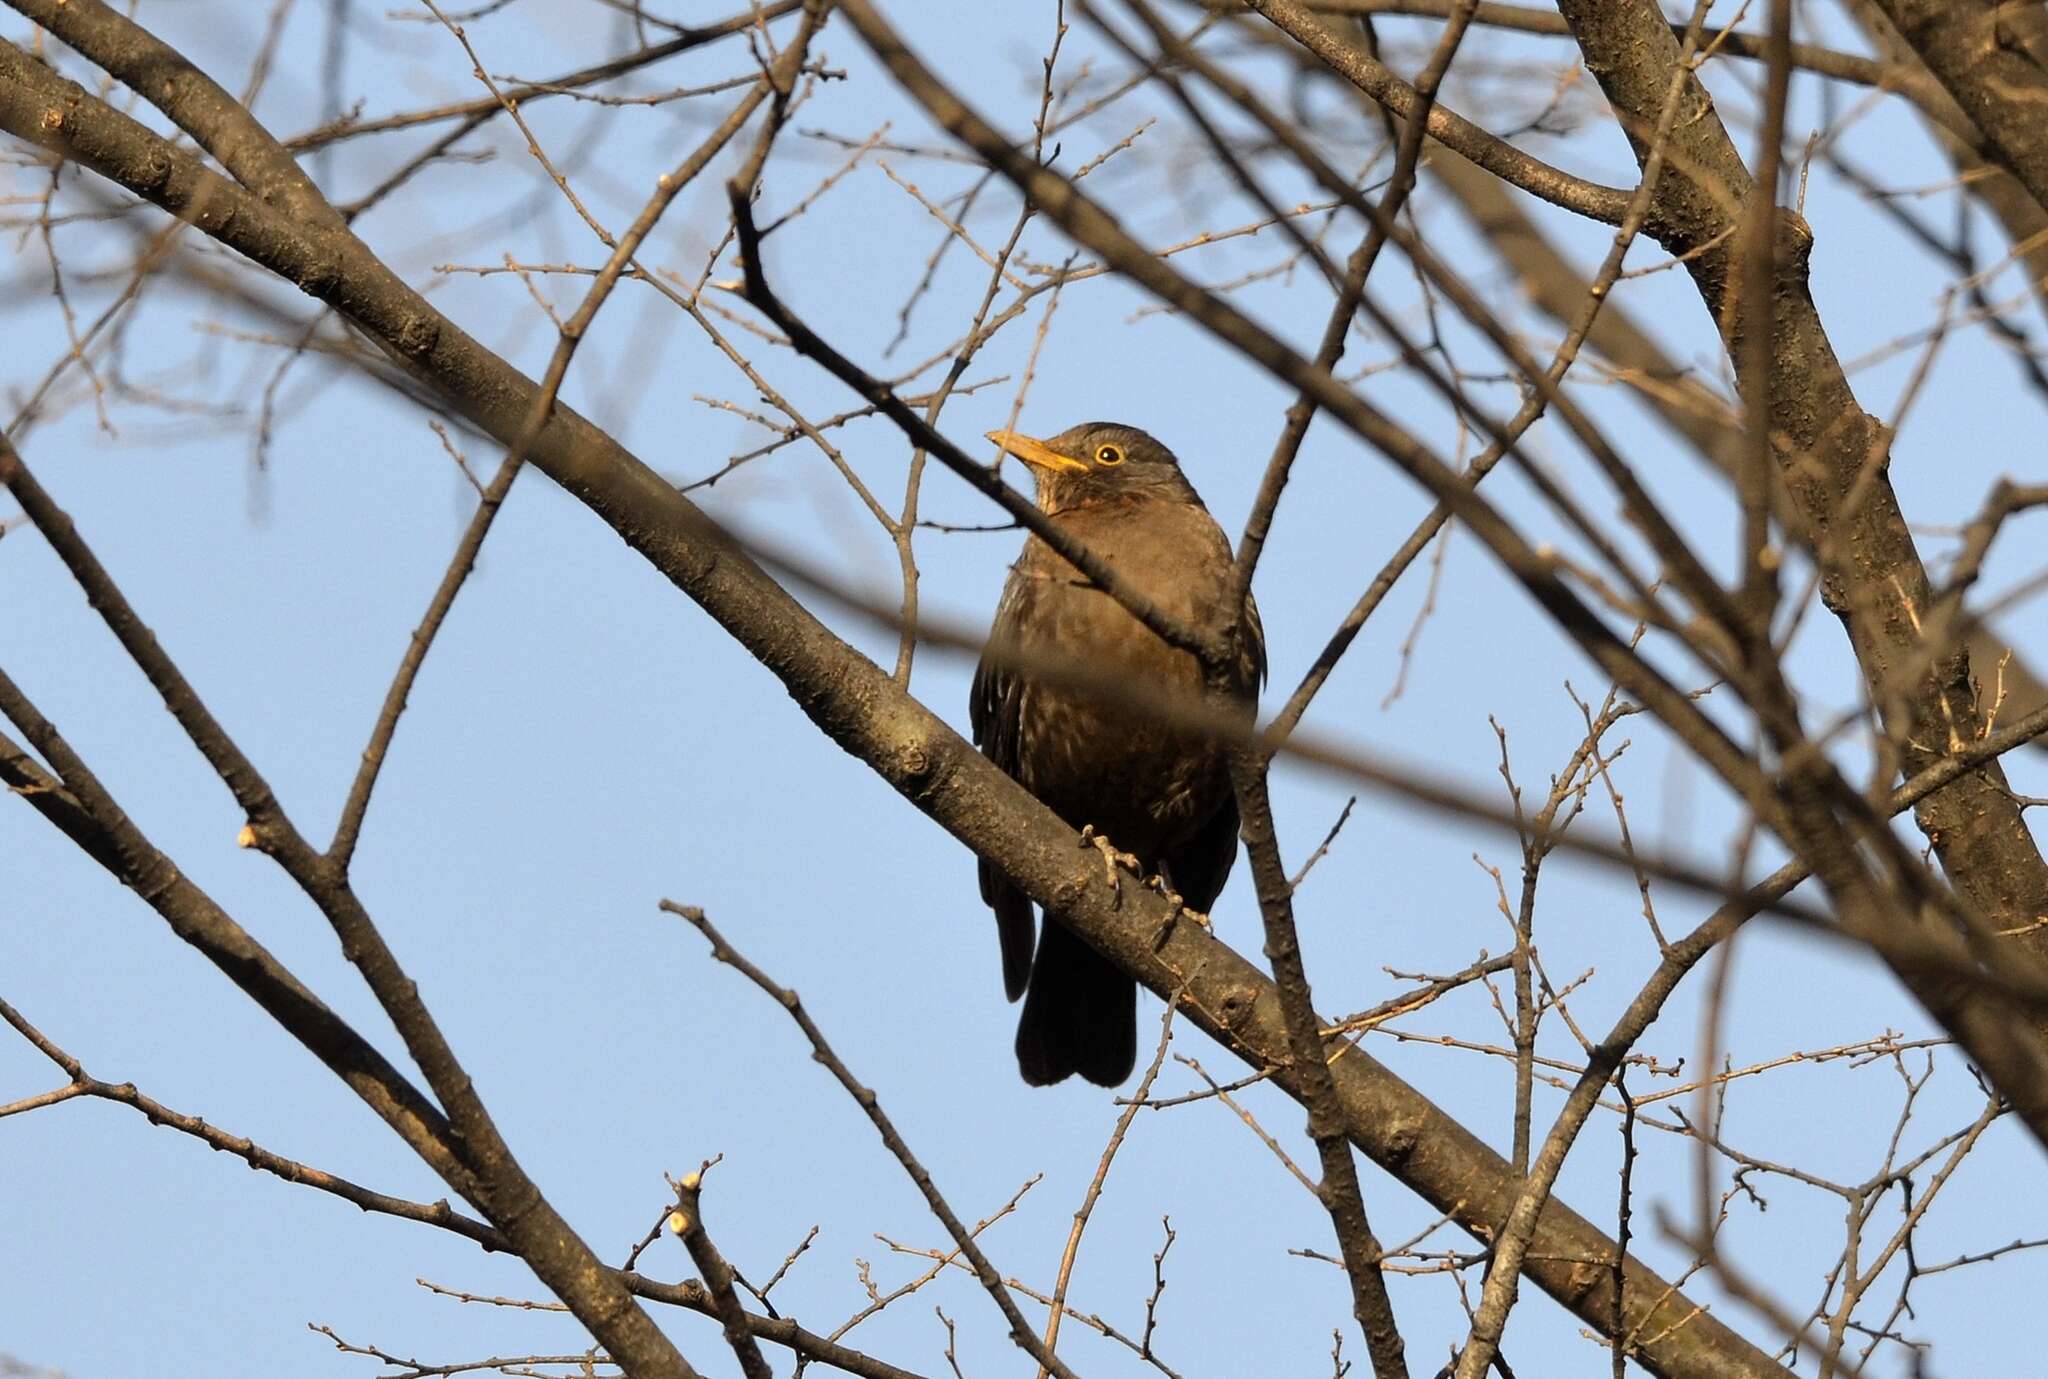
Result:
[995,709]
[1199,866]
[1254,634]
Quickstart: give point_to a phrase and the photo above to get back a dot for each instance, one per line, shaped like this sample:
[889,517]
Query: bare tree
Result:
[1364,211]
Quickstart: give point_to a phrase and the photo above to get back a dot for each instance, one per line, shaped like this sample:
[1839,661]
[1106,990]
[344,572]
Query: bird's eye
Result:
[1109,455]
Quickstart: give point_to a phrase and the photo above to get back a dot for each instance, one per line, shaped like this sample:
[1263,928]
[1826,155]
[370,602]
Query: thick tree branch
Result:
[2023,218]
[193,101]
[1800,805]
[466,1149]
[85,811]
[1832,455]
[858,707]
[1808,57]
[1989,55]
[692,1295]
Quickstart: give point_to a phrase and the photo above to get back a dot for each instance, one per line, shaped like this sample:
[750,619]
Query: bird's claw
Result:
[1111,858]
[1172,898]
[1179,911]
[1180,907]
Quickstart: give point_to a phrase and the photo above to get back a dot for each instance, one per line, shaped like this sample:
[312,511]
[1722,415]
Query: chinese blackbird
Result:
[1161,795]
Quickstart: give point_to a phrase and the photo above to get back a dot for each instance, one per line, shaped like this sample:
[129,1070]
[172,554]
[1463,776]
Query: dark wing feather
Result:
[1200,865]
[1254,648]
[994,705]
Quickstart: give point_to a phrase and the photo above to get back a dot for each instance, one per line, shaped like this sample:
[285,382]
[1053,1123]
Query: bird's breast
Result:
[1091,742]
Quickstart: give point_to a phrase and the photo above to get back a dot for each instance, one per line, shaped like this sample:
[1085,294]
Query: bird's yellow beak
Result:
[1037,452]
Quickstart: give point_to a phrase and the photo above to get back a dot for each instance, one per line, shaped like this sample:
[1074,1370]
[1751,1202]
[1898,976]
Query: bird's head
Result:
[1097,462]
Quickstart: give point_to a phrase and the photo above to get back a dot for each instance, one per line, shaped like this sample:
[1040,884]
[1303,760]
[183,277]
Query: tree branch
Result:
[1502,159]
[1832,456]
[871,1105]
[1989,56]
[857,706]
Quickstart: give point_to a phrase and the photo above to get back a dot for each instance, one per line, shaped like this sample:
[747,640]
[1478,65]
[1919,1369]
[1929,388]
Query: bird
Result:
[1161,796]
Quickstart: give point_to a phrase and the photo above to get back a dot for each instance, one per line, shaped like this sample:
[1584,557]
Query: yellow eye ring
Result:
[1109,456]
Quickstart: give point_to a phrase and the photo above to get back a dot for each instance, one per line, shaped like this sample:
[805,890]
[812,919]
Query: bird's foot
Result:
[1172,898]
[1111,859]
[1179,911]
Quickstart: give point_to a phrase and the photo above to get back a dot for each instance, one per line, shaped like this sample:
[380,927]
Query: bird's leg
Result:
[1172,897]
[1174,916]
[1111,857]
[1180,907]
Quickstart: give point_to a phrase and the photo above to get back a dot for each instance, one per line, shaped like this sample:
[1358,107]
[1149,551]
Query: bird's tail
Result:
[1080,1014]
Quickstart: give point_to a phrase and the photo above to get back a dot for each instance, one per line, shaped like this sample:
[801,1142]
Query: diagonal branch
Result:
[474,112]
[465,1148]
[870,1104]
[885,399]
[1989,56]
[859,708]
[572,333]
[778,1330]
[189,98]
[1801,805]
[687,1221]
[88,813]
[1497,156]
[1833,458]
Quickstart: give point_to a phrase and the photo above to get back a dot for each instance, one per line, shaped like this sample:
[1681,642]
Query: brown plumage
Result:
[1161,795]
